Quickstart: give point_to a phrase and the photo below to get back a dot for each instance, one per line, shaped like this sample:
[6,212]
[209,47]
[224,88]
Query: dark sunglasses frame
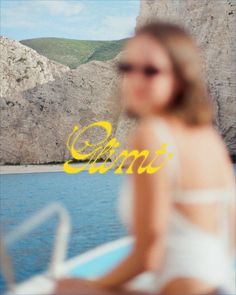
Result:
[147,70]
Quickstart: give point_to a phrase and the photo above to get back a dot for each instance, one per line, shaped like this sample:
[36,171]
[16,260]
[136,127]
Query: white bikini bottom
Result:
[191,253]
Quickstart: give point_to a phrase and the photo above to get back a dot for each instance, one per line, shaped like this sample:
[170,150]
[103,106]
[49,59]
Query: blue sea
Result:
[91,200]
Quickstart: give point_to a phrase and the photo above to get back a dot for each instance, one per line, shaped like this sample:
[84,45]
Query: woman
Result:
[182,216]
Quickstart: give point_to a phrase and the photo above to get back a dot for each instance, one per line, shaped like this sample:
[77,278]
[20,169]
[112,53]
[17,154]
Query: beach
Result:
[15,169]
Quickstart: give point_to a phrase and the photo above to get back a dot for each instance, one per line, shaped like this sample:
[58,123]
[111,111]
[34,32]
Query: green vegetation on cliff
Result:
[75,52]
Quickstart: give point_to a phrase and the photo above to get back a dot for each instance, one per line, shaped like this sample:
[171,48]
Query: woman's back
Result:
[202,180]
[203,164]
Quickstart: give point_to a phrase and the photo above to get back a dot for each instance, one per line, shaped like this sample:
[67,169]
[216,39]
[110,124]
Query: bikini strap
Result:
[165,135]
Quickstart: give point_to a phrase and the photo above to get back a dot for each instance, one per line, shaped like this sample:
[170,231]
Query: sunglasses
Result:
[147,70]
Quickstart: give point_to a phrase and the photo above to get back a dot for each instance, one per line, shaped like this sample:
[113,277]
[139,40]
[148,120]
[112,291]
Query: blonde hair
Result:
[192,103]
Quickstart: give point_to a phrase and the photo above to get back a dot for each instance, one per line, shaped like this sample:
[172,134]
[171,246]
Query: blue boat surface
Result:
[100,260]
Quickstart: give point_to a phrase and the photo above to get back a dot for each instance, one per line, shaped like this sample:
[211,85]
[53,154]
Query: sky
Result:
[73,19]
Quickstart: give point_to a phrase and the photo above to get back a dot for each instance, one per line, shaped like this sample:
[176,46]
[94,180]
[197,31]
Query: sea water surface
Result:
[91,200]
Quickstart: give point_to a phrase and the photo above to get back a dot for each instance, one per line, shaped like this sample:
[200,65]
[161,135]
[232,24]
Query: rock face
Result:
[23,68]
[36,122]
[41,100]
[213,25]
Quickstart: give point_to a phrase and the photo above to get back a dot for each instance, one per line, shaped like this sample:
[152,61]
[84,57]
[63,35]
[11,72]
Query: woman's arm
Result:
[150,219]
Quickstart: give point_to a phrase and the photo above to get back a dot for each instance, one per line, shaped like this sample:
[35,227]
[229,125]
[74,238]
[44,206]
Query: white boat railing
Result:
[60,243]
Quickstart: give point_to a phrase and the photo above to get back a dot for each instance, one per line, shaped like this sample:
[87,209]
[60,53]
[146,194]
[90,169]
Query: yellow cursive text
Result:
[102,148]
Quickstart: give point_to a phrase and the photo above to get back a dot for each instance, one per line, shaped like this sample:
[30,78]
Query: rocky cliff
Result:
[22,68]
[38,112]
[42,100]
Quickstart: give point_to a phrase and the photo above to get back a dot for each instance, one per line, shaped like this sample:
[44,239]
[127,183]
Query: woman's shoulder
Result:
[143,135]
[151,131]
